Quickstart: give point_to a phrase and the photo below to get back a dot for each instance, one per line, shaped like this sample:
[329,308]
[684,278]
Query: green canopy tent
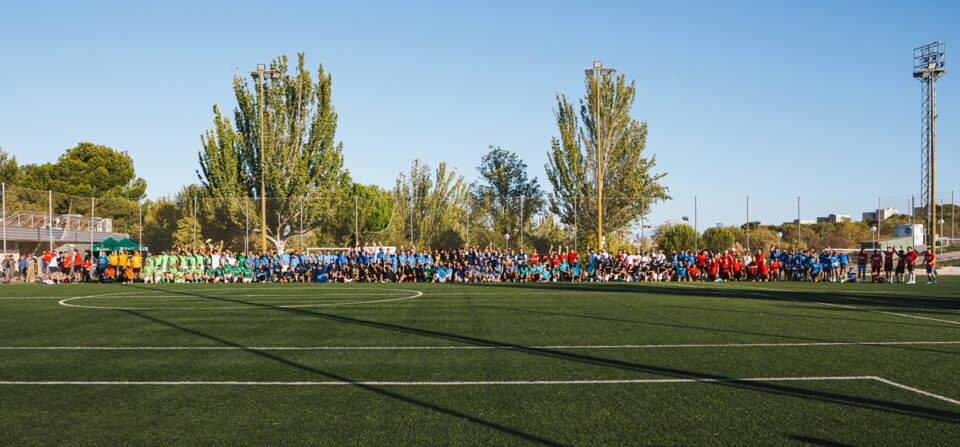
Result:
[111,244]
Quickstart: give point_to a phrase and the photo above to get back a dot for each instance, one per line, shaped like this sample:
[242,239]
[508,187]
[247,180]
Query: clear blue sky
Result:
[771,99]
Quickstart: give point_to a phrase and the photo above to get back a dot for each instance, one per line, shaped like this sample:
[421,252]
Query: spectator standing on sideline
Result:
[9,268]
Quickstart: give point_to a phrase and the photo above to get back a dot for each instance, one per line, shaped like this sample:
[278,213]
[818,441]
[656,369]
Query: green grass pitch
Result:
[548,364]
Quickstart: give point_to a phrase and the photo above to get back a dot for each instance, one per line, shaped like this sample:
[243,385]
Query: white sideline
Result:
[845,306]
[461,347]
[481,383]
[451,383]
[917,390]
[66,302]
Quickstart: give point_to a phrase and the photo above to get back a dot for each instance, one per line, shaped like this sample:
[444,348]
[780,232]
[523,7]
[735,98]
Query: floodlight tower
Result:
[599,74]
[259,74]
[928,66]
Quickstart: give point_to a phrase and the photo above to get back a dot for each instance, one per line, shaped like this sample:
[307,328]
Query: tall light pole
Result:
[599,73]
[259,75]
[941,235]
[928,67]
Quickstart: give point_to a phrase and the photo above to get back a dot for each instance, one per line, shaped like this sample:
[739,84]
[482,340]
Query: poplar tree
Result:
[302,164]
[630,187]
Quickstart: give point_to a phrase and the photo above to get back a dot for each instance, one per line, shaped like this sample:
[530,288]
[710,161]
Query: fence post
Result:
[879,230]
[798,223]
[4,196]
[302,246]
[696,227]
[50,215]
[194,222]
[521,222]
[913,217]
[92,223]
[748,225]
[140,214]
[356,219]
[246,225]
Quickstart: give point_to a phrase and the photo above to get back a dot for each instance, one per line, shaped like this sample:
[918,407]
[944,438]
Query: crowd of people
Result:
[379,264]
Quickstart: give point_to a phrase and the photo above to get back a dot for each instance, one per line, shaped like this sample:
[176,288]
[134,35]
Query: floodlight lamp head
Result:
[275,74]
[597,64]
[261,67]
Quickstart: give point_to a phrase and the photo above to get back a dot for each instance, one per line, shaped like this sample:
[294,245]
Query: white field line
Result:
[260,306]
[845,306]
[480,383]
[918,306]
[869,300]
[302,293]
[452,348]
[438,383]
[917,390]
[914,316]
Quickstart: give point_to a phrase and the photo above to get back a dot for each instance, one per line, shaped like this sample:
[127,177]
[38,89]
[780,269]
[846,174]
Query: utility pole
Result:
[259,75]
[598,72]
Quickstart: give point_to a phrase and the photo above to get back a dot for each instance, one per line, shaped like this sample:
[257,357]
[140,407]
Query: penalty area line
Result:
[487,347]
[435,383]
[485,383]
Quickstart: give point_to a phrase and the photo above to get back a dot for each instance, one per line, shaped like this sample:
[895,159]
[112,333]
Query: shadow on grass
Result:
[699,328]
[817,441]
[765,387]
[336,377]
[746,291]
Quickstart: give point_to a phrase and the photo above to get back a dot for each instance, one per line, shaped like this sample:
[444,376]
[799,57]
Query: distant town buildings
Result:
[835,218]
[35,231]
[881,214]
[802,222]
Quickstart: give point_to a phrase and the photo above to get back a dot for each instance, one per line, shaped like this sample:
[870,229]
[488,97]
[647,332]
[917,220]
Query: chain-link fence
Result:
[37,221]
[748,223]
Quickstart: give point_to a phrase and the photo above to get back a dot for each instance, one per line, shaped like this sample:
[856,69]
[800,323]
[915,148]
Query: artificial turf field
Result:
[554,364]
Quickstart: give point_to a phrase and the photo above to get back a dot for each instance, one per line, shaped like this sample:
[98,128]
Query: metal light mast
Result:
[928,66]
[599,74]
[259,74]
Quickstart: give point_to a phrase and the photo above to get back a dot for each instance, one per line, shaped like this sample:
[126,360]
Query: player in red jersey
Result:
[911,264]
[888,264]
[901,265]
[876,261]
[930,260]
[862,264]
[713,269]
